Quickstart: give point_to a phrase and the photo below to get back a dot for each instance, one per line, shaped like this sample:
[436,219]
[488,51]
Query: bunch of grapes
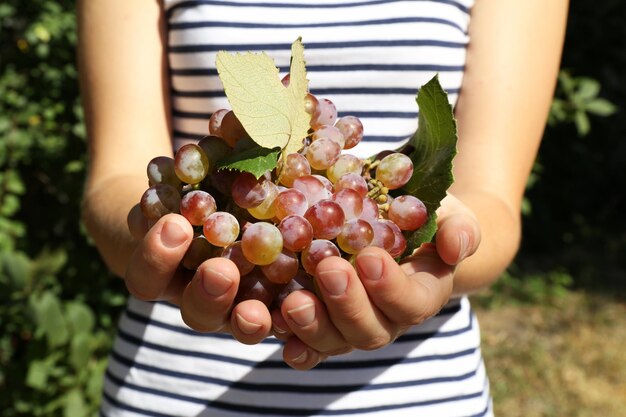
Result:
[316,203]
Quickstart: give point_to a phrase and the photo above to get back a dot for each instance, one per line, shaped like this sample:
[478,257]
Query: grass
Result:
[560,357]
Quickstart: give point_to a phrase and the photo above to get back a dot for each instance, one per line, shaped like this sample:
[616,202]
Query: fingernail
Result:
[278,330]
[370,266]
[301,358]
[172,235]
[335,282]
[463,245]
[245,326]
[303,315]
[214,282]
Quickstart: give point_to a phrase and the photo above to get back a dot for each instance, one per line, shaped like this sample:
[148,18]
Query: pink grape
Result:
[350,201]
[295,166]
[310,104]
[215,121]
[159,200]
[408,212]
[302,281]
[222,180]
[161,171]
[394,170]
[247,191]
[356,234]
[352,130]
[196,206]
[231,129]
[254,286]
[191,163]
[221,229]
[262,243]
[383,235]
[325,113]
[290,201]
[215,148]
[346,163]
[318,249]
[323,153]
[199,250]
[283,269]
[266,210]
[399,243]
[235,254]
[326,217]
[353,181]
[329,132]
[370,209]
[297,232]
[312,187]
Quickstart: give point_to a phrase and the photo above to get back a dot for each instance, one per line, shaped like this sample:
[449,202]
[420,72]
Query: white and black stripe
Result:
[369,57]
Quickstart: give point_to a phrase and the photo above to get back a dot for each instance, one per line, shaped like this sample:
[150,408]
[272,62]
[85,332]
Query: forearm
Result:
[105,208]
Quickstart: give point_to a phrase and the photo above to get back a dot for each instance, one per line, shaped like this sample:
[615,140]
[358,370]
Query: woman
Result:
[387,339]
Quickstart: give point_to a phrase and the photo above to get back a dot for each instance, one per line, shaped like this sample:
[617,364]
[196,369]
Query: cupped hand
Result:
[205,296]
[368,306]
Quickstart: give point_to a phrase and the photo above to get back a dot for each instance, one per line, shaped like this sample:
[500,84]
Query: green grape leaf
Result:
[272,114]
[434,148]
[256,161]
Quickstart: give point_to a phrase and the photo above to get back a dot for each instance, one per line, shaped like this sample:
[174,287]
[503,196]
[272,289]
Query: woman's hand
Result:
[369,307]
[206,296]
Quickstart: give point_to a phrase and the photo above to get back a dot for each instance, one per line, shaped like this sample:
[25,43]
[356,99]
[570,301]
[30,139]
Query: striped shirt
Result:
[369,57]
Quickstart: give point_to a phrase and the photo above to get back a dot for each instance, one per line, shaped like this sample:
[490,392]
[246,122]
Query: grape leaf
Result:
[256,161]
[434,148]
[271,114]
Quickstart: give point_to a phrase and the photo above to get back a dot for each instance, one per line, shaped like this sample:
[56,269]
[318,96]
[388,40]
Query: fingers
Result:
[250,322]
[458,232]
[207,299]
[406,294]
[299,355]
[351,311]
[153,272]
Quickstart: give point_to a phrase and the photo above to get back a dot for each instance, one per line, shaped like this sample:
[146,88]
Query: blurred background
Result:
[554,326]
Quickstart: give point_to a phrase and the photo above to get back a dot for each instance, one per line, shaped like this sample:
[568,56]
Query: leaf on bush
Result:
[271,114]
[49,318]
[37,375]
[80,317]
[434,148]
[256,161]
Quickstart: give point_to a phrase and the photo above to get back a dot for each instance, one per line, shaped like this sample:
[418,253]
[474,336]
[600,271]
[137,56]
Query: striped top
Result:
[369,57]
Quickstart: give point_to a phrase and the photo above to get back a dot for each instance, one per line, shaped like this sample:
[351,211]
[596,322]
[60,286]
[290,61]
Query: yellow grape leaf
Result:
[273,115]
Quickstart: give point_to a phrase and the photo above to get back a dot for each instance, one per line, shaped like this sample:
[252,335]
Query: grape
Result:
[254,286]
[352,130]
[370,209]
[313,188]
[262,243]
[353,181]
[215,122]
[221,180]
[394,170]
[231,129]
[315,252]
[221,229]
[265,210]
[191,163]
[297,232]
[214,148]
[199,250]
[159,200]
[346,163]
[326,217]
[302,281]
[295,166]
[235,254]
[408,212]
[323,153]
[326,182]
[161,171]
[399,243]
[383,235]
[283,269]
[286,80]
[329,132]
[197,206]
[247,191]
[290,201]
[310,104]
[355,235]
[350,202]
[325,113]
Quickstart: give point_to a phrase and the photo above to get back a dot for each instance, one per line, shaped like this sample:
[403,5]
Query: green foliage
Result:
[58,302]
